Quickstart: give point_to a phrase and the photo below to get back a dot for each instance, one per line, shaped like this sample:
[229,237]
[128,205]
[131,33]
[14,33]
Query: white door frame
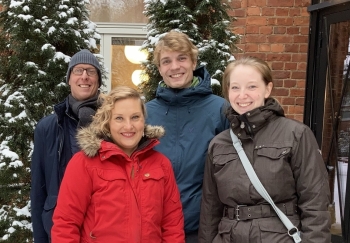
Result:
[109,30]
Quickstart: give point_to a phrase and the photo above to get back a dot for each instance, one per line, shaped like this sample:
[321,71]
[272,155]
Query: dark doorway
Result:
[327,103]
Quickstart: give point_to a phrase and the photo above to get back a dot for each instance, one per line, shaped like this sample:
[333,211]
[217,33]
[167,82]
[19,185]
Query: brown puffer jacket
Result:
[286,158]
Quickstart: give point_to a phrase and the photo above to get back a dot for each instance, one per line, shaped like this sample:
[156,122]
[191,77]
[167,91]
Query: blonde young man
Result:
[191,115]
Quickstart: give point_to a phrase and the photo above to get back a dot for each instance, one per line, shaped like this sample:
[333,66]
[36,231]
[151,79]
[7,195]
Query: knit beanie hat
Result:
[84,57]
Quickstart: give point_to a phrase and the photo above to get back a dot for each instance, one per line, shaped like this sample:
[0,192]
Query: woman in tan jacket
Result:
[285,157]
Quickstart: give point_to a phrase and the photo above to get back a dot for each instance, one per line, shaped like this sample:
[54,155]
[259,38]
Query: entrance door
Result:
[120,48]
[122,26]
[327,109]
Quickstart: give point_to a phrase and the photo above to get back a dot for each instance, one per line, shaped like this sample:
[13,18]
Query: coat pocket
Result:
[111,175]
[225,163]
[155,174]
[272,231]
[153,181]
[274,151]
[274,161]
[224,231]
[49,207]
[152,194]
[110,182]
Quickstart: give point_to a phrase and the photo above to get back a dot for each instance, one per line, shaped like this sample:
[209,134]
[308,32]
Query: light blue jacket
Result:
[191,118]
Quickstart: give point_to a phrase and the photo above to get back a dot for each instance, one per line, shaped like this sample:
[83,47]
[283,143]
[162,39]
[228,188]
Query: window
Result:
[126,61]
[122,26]
[117,11]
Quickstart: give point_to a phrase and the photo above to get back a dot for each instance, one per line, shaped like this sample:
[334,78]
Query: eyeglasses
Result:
[90,71]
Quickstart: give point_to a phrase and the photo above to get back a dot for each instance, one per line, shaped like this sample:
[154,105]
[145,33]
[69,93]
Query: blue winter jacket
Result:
[52,151]
[191,118]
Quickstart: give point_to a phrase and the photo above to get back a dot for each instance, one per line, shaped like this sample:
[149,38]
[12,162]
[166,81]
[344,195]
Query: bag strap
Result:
[292,230]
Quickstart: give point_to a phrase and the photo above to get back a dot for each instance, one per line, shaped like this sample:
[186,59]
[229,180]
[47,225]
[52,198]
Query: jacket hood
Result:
[188,95]
[90,142]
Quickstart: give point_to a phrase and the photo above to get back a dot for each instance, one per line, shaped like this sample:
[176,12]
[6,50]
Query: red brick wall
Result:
[277,31]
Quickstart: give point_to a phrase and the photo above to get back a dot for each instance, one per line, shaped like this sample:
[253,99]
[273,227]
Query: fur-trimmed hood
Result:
[90,142]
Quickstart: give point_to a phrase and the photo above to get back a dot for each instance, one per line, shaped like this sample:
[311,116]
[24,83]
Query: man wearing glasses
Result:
[55,142]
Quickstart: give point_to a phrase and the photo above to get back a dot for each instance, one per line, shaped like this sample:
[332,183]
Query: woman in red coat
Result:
[118,189]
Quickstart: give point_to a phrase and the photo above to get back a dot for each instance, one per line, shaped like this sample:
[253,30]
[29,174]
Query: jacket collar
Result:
[188,95]
[61,109]
[248,124]
[91,141]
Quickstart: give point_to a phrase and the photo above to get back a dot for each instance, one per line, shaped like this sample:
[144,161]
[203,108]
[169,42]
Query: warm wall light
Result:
[139,76]
[134,54]
[136,77]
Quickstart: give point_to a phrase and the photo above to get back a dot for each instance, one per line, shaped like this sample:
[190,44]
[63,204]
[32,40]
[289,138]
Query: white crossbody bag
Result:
[292,230]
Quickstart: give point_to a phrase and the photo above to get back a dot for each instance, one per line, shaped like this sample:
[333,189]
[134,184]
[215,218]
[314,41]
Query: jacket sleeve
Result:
[38,192]
[313,189]
[211,206]
[72,203]
[173,219]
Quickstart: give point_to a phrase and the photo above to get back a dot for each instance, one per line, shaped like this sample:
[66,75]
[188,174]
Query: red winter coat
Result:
[100,201]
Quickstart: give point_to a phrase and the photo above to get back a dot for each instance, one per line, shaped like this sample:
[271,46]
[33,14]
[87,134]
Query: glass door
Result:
[336,119]
[327,106]
[122,26]
[126,61]
[121,53]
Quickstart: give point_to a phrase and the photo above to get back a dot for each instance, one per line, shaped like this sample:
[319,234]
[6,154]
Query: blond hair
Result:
[175,41]
[261,66]
[100,122]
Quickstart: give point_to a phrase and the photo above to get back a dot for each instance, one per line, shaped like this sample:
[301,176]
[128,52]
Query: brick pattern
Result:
[277,31]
